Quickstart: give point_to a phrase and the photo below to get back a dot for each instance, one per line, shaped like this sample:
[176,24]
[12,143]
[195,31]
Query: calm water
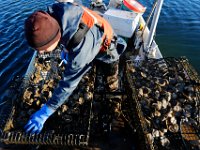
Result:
[178,33]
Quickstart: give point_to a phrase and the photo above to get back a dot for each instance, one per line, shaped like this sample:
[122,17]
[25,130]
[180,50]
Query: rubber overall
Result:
[80,57]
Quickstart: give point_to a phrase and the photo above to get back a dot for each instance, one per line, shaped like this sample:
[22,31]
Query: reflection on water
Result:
[178,29]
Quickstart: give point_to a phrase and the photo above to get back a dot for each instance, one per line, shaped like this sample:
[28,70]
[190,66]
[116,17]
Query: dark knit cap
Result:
[41,30]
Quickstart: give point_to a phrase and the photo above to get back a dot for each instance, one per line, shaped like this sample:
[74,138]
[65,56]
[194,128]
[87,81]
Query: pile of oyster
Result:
[167,96]
[43,81]
[37,88]
[40,86]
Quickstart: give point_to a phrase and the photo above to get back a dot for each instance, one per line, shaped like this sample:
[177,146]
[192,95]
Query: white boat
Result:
[158,97]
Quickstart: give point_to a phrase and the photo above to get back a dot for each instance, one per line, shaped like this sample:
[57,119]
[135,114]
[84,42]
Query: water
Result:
[177,33]
[178,30]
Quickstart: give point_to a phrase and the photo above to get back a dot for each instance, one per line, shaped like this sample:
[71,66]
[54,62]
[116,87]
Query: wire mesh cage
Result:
[69,125]
[165,102]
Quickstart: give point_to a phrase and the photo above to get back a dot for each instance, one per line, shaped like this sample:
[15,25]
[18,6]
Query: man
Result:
[86,36]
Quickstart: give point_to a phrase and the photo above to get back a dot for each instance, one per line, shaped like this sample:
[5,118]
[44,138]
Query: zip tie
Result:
[3,102]
[60,63]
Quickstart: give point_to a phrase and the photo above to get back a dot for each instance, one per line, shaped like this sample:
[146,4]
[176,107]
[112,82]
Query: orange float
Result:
[134,5]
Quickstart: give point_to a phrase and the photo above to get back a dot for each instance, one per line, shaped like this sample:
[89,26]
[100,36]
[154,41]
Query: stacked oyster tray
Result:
[166,101]
[29,94]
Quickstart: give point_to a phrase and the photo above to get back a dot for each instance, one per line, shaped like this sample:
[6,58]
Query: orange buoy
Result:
[134,5]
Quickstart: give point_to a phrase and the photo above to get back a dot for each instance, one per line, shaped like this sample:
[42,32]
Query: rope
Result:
[150,15]
[3,103]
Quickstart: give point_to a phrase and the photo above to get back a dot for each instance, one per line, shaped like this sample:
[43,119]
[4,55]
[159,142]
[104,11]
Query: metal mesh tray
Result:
[68,126]
[165,103]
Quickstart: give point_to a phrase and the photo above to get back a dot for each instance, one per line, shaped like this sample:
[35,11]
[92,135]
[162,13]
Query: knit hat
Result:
[41,30]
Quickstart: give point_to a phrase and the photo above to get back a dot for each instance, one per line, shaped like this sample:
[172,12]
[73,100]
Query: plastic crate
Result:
[158,130]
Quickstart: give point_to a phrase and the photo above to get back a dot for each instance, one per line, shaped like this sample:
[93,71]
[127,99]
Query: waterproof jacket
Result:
[80,57]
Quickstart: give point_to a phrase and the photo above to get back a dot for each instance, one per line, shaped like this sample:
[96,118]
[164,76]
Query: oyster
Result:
[144,91]
[27,94]
[157,105]
[174,128]
[64,108]
[164,141]
[81,101]
[88,96]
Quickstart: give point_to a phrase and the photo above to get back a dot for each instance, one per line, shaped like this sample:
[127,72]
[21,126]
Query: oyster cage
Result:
[165,103]
[68,126]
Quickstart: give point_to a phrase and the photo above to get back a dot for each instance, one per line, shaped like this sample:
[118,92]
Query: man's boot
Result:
[111,76]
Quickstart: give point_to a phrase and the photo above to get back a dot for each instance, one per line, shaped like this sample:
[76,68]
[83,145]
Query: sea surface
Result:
[177,34]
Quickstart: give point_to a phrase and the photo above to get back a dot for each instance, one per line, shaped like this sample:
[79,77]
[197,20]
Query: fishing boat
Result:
[157,105]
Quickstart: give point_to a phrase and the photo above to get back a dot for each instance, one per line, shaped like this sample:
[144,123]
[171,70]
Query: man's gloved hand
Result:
[37,120]
[64,56]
